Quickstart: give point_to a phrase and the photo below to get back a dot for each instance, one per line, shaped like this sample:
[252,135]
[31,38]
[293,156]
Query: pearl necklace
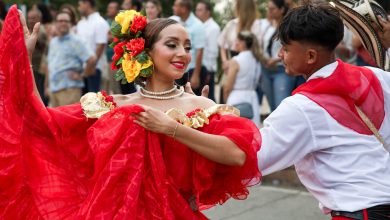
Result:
[160,97]
[145,91]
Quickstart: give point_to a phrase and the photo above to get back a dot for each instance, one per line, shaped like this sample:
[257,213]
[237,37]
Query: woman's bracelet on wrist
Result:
[174,131]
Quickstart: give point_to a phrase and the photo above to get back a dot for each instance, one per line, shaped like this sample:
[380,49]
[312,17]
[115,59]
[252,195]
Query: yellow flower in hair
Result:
[124,18]
[147,64]
[132,67]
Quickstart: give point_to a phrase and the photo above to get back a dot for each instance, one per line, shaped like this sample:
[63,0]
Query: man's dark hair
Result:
[207,5]
[188,4]
[319,24]
[91,2]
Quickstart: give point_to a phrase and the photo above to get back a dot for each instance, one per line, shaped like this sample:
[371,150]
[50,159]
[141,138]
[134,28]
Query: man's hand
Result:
[75,75]
[30,38]
[385,34]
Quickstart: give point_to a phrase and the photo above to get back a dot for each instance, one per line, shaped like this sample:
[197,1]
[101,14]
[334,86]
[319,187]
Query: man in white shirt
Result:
[341,157]
[195,28]
[93,29]
[210,53]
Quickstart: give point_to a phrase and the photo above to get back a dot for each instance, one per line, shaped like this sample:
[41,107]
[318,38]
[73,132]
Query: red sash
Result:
[339,93]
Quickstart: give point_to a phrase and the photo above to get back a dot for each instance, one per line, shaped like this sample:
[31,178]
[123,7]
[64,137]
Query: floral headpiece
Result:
[130,55]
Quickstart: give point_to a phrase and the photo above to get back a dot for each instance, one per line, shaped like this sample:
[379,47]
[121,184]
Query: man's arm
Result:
[90,67]
[287,137]
[195,78]
[99,50]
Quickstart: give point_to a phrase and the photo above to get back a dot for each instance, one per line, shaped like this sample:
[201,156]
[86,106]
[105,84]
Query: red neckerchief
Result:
[346,87]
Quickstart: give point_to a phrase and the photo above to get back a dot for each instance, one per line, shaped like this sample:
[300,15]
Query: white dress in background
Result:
[246,83]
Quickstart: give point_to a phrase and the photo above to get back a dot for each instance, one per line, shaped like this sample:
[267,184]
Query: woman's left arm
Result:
[233,69]
[214,147]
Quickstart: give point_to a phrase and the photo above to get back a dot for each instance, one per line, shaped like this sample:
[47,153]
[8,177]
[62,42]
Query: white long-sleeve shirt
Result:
[343,169]
[210,53]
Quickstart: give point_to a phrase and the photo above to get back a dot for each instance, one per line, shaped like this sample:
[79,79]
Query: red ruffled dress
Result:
[57,163]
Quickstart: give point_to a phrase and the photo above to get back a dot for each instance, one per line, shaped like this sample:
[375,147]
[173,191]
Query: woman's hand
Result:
[156,121]
[30,38]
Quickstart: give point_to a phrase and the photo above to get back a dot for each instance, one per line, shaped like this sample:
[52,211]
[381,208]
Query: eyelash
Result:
[172,46]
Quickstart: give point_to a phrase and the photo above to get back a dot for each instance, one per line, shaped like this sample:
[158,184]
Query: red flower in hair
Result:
[135,46]
[116,40]
[138,24]
[118,53]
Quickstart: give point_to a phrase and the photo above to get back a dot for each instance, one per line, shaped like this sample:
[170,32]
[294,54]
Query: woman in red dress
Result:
[122,157]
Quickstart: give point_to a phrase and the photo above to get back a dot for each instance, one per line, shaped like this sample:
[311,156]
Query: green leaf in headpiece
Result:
[146,72]
[119,75]
[119,61]
[116,29]
[143,57]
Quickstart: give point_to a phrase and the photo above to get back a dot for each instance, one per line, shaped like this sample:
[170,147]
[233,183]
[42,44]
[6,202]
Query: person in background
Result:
[275,83]
[196,72]
[39,59]
[246,19]
[93,30]
[153,9]
[47,20]
[109,83]
[363,58]
[72,11]
[345,50]
[243,74]
[210,53]
[66,58]
[132,5]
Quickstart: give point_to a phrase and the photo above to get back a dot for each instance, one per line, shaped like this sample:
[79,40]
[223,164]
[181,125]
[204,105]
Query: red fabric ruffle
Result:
[57,164]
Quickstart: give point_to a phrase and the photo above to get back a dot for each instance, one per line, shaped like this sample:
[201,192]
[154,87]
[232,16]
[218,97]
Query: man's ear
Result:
[311,56]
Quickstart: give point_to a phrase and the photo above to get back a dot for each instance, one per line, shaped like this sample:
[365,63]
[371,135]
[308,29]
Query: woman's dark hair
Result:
[319,24]
[281,5]
[46,15]
[251,43]
[151,35]
[153,30]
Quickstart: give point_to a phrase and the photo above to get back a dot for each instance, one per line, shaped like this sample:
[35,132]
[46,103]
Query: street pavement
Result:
[269,203]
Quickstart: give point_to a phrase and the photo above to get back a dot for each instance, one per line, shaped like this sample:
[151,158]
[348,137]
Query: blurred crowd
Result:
[239,61]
